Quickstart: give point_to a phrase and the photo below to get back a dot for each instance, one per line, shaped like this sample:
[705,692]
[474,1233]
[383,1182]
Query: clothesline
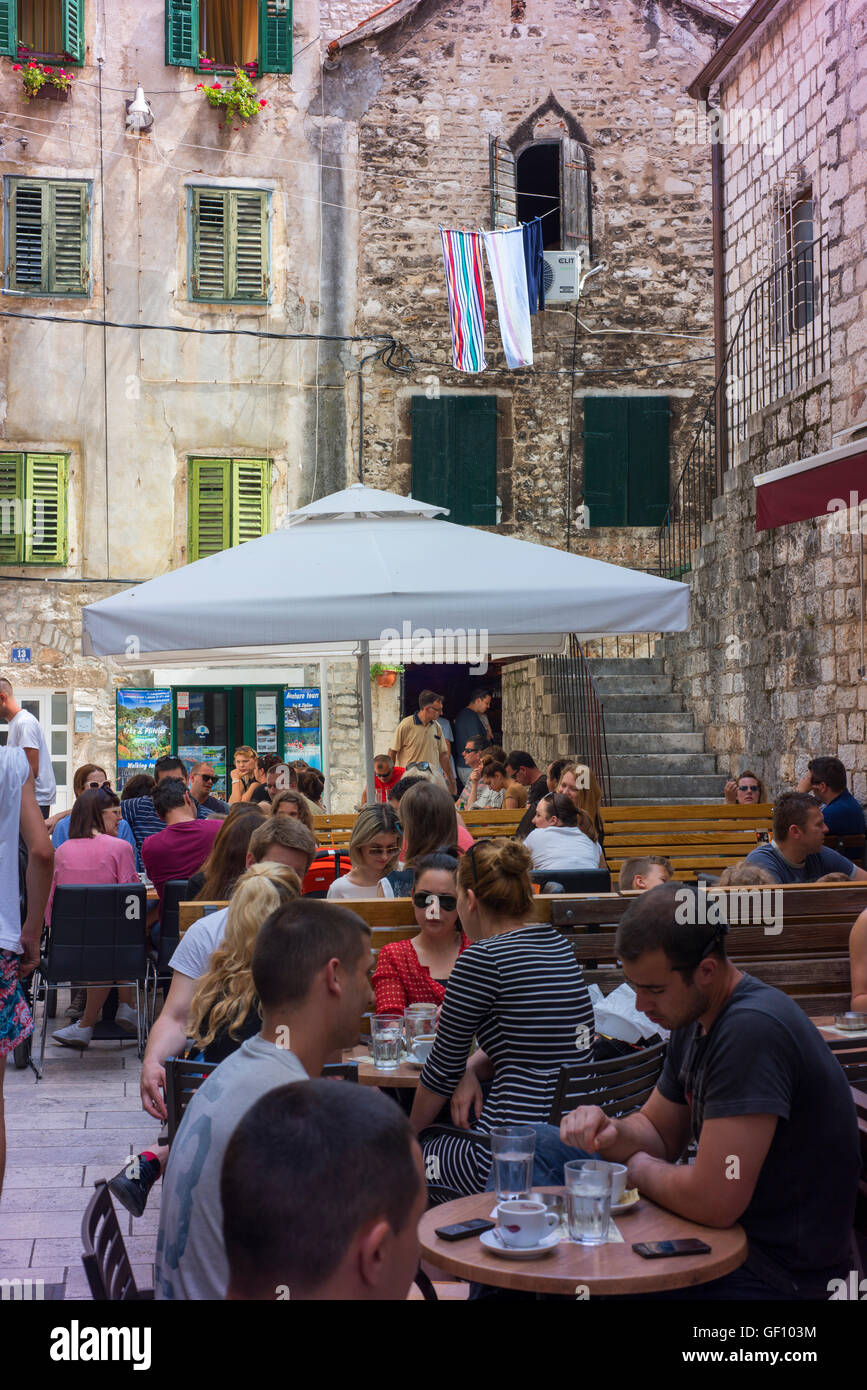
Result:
[517,266]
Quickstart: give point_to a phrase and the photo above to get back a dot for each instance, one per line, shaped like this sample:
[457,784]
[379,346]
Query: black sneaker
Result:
[132,1185]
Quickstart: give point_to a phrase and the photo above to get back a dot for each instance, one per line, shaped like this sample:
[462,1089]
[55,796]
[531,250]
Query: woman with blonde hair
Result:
[520,991]
[294,804]
[243,774]
[225,1011]
[374,846]
[578,782]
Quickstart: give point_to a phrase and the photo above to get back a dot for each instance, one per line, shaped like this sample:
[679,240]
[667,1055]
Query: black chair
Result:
[97,935]
[183,1079]
[618,1087]
[852,1058]
[104,1256]
[577,881]
[174,893]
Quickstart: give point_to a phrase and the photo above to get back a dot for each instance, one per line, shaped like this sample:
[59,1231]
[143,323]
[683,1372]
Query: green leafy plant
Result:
[378,669]
[35,75]
[238,100]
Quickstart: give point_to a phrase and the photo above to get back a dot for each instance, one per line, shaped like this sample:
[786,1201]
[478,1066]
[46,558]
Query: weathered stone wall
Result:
[458,73]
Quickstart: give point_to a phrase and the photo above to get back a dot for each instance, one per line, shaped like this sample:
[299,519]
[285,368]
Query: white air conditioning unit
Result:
[562,274]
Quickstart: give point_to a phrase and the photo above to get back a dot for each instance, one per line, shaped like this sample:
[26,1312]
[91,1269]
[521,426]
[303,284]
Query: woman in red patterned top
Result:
[417,971]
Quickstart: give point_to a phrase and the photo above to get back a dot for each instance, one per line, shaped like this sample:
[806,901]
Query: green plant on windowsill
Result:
[35,75]
[238,100]
[378,669]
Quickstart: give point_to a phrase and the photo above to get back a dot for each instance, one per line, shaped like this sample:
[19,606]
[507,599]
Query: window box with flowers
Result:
[44,80]
[237,100]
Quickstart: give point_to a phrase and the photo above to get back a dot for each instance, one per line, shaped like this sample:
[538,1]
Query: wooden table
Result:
[601,1269]
[404,1077]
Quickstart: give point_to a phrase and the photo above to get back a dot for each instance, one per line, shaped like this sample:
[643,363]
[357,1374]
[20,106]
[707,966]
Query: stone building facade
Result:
[773,664]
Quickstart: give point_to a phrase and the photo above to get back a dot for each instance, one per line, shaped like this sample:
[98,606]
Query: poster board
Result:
[143,731]
[302,725]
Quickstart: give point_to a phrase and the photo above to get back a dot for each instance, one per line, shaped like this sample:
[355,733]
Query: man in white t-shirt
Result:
[280,840]
[19,943]
[25,731]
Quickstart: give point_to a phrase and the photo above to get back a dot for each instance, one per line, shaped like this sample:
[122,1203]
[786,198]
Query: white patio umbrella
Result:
[365,572]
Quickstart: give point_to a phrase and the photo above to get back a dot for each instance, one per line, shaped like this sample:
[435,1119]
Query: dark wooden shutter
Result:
[182,33]
[210,243]
[275,35]
[649,481]
[606,459]
[12,509]
[45,487]
[28,270]
[575,198]
[251,499]
[503,180]
[474,432]
[209,506]
[73,30]
[8,27]
[431,451]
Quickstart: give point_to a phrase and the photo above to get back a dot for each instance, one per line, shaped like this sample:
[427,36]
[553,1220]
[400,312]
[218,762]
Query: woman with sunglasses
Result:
[417,971]
[373,848]
[520,992]
[88,778]
[746,790]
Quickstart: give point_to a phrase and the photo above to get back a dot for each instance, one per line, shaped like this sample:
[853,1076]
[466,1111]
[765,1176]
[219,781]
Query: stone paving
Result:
[78,1124]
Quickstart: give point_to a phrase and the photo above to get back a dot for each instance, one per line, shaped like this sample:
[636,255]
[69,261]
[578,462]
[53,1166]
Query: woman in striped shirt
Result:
[520,991]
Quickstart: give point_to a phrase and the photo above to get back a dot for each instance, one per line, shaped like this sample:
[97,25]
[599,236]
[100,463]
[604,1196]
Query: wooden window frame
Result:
[48,250]
[230,198]
[72,30]
[24,463]
[275,47]
[230,520]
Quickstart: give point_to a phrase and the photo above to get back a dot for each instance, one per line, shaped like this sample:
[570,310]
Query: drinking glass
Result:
[513,1148]
[386,1036]
[588,1202]
[418,1019]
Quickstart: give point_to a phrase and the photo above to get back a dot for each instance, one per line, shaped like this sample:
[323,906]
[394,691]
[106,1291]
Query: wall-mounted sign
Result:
[302,725]
[183,700]
[144,730]
[84,721]
[21,656]
[266,723]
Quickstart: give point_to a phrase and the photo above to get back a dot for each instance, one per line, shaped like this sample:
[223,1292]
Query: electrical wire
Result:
[386,338]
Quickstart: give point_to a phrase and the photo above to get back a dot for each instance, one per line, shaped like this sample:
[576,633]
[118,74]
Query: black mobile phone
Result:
[464,1229]
[661,1249]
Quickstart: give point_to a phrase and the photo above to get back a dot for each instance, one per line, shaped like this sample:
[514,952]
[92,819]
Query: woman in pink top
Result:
[94,854]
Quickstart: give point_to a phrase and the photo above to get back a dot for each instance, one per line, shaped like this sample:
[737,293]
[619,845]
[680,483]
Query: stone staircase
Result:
[655,753]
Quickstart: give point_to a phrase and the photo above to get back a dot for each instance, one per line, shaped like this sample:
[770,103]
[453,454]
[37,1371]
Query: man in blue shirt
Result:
[825,779]
[139,812]
[797,853]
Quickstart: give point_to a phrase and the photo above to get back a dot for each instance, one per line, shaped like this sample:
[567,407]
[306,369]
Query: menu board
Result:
[144,731]
[302,725]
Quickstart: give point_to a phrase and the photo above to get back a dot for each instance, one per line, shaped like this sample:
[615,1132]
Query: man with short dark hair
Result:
[419,741]
[181,848]
[285,1236]
[750,1078]
[202,779]
[797,853]
[310,971]
[521,768]
[825,778]
[138,811]
[472,722]
[385,776]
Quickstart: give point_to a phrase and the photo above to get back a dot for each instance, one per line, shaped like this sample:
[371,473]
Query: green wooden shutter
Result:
[73,30]
[182,33]
[8,27]
[474,435]
[67,239]
[46,541]
[210,244]
[209,506]
[431,425]
[248,246]
[275,35]
[251,499]
[28,269]
[11,509]
[649,483]
[606,459]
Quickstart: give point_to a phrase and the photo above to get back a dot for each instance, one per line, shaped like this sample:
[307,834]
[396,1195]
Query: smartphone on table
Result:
[662,1249]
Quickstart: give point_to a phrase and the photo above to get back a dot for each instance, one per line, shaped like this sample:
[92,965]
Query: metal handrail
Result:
[579,700]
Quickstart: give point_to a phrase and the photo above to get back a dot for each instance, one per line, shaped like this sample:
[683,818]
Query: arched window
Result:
[548,178]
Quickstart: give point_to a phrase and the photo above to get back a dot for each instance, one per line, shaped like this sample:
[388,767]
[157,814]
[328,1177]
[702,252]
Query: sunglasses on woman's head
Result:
[448,901]
[471,854]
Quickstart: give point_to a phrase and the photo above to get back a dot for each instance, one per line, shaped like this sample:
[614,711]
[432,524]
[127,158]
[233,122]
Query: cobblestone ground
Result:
[78,1124]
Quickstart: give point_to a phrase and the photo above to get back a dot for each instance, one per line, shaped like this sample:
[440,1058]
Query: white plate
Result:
[621,1207]
[519,1252]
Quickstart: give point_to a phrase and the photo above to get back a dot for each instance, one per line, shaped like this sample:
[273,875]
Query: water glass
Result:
[588,1202]
[386,1037]
[514,1149]
[418,1020]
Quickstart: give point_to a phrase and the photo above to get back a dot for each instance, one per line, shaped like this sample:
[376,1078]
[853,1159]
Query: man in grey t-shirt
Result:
[25,731]
[310,969]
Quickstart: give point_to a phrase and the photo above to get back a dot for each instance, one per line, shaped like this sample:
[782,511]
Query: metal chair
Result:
[618,1087]
[174,893]
[183,1079]
[104,1256]
[97,935]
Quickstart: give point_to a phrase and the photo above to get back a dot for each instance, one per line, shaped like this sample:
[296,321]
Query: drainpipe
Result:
[719,322]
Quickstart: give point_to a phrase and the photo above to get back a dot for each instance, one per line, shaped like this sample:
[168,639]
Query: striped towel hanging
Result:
[465,282]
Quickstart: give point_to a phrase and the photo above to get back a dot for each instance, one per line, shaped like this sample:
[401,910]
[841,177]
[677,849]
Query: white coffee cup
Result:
[422,1045]
[524,1221]
[618,1178]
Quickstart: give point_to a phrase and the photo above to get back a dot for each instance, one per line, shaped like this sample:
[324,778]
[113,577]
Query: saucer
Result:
[520,1252]
[626,1204]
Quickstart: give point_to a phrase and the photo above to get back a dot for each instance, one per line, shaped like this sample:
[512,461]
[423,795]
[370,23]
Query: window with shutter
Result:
[626,459]
[8,31]
[182,33]
[33,512]
[229,33]
[47,247]
[229,502]
[504,197]
[73,30]
[275,35]
[553,182]
[229,245]
[454,456]
[43,29]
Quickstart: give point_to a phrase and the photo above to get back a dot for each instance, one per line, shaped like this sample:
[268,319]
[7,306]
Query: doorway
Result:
[210,722]
[51,708]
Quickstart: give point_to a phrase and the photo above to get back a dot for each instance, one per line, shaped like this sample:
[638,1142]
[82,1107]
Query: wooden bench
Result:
[694,838]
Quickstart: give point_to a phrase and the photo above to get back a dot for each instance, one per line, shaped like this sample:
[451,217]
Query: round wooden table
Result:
[403,1077]
[571,1269]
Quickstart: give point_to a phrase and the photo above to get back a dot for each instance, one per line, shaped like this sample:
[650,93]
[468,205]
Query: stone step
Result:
[641,684]
[632,722]
[702,788]
[650,742]
[627,666]
[660,801]
[642,704]
[661,764]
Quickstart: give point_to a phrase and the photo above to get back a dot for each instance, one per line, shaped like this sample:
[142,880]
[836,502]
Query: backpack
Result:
[327,865]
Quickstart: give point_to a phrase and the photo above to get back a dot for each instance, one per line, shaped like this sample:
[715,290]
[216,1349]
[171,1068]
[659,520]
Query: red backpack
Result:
[327,865]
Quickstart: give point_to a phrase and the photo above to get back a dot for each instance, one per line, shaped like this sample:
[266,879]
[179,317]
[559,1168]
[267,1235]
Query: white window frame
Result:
[41,696]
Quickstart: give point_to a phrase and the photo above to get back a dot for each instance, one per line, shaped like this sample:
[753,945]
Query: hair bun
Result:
[513,858]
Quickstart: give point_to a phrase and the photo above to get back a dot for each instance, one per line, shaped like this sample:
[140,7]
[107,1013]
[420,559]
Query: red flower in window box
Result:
[263,102]
[45,80]
[217,87]
[238,99]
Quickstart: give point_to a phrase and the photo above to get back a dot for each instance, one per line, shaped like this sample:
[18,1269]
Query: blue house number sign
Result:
[21,656]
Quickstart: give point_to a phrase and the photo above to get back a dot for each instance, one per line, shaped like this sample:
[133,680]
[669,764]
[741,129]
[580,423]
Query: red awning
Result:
[817,486]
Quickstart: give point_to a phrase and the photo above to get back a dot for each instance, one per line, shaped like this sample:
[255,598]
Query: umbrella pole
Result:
[367,720]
